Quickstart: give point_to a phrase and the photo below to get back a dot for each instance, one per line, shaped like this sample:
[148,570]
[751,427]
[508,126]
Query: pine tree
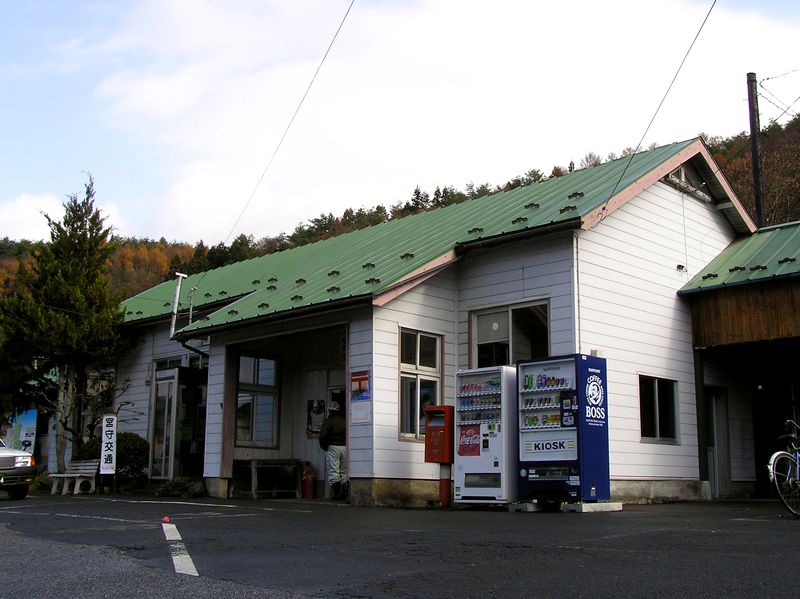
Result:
[61,324]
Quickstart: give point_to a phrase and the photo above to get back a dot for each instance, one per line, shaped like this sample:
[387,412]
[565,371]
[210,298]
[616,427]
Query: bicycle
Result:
[784,471]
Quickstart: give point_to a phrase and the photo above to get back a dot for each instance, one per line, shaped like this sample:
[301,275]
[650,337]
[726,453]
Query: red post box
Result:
[439,434]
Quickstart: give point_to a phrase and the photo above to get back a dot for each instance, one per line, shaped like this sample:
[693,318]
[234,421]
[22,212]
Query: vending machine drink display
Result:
[563,429]
[485,463]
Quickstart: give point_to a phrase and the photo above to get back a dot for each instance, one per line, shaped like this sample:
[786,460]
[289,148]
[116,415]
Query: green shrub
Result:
[133,454]
[182,486]
[41,484]
[90,450]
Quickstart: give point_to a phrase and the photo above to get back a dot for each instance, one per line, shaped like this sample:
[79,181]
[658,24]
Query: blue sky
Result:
[175,106]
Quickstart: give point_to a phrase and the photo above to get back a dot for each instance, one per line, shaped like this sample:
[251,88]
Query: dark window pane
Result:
[428,351]
[246,369]
[666,409]
[266,372]
[408,348]
[264,422]
[408,404]
[492,354]
[244,410]
[529,333]
[429,396]
[647,414]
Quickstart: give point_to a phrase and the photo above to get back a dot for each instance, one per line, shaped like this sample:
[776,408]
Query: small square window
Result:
[657,408]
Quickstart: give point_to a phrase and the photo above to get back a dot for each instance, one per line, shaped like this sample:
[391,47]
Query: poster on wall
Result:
[360,397]
[316,416]
[20,433]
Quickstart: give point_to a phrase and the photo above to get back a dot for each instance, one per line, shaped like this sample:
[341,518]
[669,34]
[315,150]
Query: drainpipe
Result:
[178,277]
[184,344]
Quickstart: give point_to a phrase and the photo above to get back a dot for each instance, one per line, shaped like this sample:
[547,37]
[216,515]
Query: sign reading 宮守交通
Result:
[108,444]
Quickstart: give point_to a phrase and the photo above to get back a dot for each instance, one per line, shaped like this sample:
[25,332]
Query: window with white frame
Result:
[257,402]
[420,379]
[506,334]
[657,409]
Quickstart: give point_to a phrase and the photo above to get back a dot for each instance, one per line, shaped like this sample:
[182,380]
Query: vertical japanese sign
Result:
[108,440]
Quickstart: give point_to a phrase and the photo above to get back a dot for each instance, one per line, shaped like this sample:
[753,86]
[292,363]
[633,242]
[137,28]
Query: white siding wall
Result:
[540,269]
[136,371]
[361,442]
[429,307]
[215,396]
[629,309]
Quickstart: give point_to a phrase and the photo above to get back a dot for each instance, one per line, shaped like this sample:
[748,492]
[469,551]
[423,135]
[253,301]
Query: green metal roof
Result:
[364,263]
[768,254]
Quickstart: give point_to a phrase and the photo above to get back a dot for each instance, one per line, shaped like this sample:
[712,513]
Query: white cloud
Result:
[426,93]
[23,217]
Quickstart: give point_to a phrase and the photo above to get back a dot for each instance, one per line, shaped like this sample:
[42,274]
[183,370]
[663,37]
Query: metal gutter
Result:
[722,286]
[505,238]
[283,315]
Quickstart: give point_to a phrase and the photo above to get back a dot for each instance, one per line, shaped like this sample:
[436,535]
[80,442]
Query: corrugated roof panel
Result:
[767,254]
[268,284]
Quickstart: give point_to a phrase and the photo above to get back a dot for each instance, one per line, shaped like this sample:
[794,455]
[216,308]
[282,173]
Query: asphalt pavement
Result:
[119,546]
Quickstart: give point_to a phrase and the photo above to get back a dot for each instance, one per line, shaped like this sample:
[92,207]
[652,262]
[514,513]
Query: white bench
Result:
[77,472]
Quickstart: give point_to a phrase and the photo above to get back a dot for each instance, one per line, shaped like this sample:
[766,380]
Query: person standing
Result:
[333,440]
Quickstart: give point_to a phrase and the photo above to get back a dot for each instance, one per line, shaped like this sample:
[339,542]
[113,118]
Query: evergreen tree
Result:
[60,325]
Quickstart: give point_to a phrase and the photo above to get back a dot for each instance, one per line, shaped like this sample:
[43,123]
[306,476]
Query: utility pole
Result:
[755,148]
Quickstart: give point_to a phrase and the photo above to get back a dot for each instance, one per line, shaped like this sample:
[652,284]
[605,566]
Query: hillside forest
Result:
[138,264]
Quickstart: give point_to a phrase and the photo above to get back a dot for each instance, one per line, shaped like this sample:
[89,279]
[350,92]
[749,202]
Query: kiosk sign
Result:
[108,444]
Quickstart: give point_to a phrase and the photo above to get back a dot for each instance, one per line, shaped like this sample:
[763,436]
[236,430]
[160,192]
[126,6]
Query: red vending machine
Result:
[486,437]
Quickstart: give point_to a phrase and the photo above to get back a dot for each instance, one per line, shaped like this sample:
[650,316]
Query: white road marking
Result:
[180,556]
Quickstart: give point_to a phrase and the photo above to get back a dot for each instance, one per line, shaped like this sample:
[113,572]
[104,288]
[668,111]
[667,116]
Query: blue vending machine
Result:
[562,404]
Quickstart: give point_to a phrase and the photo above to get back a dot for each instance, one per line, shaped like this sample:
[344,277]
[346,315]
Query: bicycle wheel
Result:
[784,477]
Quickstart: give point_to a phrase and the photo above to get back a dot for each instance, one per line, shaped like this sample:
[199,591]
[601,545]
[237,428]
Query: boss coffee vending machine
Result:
[562,412]
[484,468]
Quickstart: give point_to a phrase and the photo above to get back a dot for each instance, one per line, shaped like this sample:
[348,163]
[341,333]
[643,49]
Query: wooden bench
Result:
[77,472]
[292,468]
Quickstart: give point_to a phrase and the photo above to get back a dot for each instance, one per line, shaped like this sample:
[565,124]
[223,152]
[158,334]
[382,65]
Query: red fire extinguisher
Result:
[308,480]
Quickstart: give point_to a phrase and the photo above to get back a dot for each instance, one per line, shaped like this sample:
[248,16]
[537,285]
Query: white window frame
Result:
[256,389]
[673,403]
[509,309]
[418,373]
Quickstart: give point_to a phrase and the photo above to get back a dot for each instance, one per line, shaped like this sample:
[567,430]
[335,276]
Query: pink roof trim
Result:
[414,278]
[630,192]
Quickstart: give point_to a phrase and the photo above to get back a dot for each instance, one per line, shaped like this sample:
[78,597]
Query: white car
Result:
[17,471]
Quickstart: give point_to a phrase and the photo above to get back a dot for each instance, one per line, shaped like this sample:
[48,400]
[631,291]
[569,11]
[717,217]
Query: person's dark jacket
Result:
[333,431]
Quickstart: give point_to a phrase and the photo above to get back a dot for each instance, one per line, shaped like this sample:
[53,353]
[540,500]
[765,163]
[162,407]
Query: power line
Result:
[784,107]
[779,76]
[285,133]
[660,104]
[291,121]
[780,105]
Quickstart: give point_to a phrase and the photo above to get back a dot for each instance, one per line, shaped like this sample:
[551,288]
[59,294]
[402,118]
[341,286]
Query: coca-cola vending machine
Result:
[563,429]
[486,436]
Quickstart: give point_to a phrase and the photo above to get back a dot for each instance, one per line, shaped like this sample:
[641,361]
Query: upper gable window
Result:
[688,180]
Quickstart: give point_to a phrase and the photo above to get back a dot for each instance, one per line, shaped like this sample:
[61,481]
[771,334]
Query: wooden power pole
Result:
[755,147]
